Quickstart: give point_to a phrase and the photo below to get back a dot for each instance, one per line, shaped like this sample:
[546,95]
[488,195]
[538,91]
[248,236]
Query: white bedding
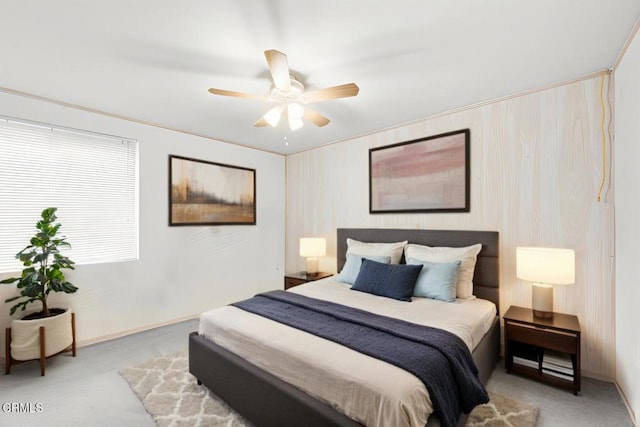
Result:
[367,390]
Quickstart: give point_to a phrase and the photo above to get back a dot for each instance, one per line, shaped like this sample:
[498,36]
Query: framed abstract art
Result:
[423,175]
[209,193]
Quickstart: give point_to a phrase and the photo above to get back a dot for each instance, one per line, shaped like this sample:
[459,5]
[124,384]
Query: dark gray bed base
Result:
[267,401]
[257,395]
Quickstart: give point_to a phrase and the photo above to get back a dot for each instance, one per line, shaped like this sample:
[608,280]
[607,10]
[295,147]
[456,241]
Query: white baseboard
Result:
[634,420]
[84,343]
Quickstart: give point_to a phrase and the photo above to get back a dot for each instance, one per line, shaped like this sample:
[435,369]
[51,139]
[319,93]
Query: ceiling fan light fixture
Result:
[295,111]
[273,115]
[288,96]
[295,123]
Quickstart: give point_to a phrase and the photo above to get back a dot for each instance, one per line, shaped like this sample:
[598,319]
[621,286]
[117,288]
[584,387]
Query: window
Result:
[91,178]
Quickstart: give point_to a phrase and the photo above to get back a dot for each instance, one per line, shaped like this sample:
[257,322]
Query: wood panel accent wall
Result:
[535,172]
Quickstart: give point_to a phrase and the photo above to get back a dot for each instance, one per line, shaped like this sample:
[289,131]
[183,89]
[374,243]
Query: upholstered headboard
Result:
[486,279]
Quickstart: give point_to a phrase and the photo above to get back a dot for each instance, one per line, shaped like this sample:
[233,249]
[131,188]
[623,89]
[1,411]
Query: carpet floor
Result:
[173,398]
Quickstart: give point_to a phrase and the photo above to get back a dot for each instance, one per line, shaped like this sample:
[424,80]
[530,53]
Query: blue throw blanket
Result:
[438,358]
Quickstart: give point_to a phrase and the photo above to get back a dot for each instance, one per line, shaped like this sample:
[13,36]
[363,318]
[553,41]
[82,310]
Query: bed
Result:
[267,400]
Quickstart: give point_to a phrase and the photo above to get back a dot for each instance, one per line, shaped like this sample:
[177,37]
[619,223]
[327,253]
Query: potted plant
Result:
[50,331]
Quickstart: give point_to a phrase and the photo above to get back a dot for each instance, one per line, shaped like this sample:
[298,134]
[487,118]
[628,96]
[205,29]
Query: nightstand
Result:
[547,350]
[295,279]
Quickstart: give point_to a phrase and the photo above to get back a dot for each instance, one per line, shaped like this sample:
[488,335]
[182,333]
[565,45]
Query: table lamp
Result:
[312,248]
[545,267]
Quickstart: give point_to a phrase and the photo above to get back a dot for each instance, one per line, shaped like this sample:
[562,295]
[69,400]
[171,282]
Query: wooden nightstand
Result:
[295,279]
[528,339]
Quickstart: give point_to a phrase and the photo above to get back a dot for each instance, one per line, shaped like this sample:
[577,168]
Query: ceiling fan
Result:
[289,96]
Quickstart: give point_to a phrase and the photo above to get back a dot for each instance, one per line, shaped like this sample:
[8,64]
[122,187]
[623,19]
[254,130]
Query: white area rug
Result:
[502,411]
[174,399]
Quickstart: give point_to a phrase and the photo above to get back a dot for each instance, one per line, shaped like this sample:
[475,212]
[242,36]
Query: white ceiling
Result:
[153,60]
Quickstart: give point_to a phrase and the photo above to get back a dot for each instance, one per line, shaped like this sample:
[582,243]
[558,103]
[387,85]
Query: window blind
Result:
[91,178]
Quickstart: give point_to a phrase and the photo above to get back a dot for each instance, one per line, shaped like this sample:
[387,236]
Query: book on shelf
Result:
[562,359]
[526,362]
[525,351]
[526,355]
[559,369]
[557,362]
[554,373]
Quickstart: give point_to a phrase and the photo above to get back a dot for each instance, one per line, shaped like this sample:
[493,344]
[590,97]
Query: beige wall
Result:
[535,172]
[627,178]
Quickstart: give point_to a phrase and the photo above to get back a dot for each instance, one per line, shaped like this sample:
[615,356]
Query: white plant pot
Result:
[25,336]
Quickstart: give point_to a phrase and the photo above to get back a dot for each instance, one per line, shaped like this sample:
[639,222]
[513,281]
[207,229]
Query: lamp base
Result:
[312,266]
[542,300]
[543,314]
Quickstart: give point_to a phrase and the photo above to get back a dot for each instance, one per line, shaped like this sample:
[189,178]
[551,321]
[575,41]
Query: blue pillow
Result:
[437,280]
[387,280]
[352,266]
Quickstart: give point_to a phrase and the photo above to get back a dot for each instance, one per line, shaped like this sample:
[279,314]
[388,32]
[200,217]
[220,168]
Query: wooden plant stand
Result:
[11,361]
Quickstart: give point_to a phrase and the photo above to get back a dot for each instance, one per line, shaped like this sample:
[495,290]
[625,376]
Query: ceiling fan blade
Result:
[223,92]
[279,67]
[335,92]
[315,117]
[261,122]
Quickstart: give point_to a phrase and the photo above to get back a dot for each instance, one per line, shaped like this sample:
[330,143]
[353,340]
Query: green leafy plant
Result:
[43,266]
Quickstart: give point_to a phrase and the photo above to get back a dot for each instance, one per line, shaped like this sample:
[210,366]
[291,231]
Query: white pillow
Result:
[467,255]
[392,250]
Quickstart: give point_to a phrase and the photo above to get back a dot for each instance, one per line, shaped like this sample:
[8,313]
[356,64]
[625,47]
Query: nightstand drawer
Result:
[545,338]
[290,282]
[295,279]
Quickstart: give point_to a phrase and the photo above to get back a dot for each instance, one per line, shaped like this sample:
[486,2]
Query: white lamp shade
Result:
[313,246]
[273,115]
[295,111]
[295,124]
[552,266]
